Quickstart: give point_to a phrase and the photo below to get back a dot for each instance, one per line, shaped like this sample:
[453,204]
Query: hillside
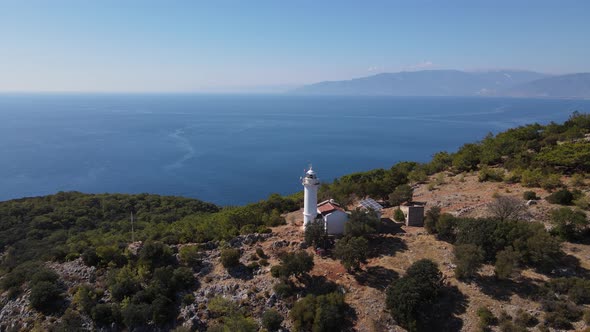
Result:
[69,263]
[563,86]
[457,83]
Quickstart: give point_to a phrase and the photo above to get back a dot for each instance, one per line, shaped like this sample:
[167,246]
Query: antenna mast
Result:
[132,230]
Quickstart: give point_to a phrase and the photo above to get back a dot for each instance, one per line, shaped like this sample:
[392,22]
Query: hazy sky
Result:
[249,45]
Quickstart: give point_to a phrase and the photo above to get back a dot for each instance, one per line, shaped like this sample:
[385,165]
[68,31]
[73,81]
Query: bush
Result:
[445,227]
[488,174]
[531,178]
[183,279]
[324,313]
[506,261]
[315,233]
[351,251]
[486,318]
[467,158]
[220,306]
[398,215]
[260,253]
[410,298]
[272,320]
[230,258]
[583,203]
[70,321]
[525,319]
[188,299]
[551,181]
[283,289]
[104,314]
[468,258]
[85,298]
[568,224]
[293,264]
[45,296]
[563,197]
[89,257]
[529,195]
[361,223]
[189,256]
[577,180]
[403,193]
[155,254]
[136,315]
[431,218]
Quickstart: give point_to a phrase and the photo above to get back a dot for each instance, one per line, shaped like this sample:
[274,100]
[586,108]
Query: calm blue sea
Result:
[233,149]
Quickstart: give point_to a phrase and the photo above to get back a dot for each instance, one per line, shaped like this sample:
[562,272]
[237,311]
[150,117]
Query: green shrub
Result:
[188,299]
[324,313]
[445,227]
[568,224]
[551,181]
[431,218]
[260,253]
[506,262]
[283,289]
[513,177]
[557,321]
[104,314]
[183,279]
[583,203]
[189,256]
[89,257]
[253,266]
[403,193]
[315,233]
[531,178]
[136,315]
[398,215]
[409,297]
[272,320]
[468,259]
[351,251]
[362,222]
[220,306]
[525,319]
[46,296]
[489,174]
[230,257]
[577,180]
[155,254]
[70,321]
[530,195]
[563,197]
[486,318]
[85,298]
[293,264]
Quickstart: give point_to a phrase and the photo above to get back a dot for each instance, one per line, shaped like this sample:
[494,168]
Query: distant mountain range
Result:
[458,83]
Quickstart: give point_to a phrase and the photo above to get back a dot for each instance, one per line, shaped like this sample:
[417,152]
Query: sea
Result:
[234,149]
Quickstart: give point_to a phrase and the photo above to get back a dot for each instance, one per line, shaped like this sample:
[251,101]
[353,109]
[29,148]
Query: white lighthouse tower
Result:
[310,206]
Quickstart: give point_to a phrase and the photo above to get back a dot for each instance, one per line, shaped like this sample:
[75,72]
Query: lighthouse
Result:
[310,207]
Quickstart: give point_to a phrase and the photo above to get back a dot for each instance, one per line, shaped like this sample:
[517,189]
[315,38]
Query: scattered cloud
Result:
[420,65]
[375,68]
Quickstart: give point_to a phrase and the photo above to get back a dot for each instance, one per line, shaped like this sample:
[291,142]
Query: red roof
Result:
[328,207]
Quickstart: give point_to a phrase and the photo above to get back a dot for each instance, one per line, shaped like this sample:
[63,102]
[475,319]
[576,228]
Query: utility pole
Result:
[132,230]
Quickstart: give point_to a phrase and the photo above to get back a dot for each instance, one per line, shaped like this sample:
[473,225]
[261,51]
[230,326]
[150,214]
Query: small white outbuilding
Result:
[334,217]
